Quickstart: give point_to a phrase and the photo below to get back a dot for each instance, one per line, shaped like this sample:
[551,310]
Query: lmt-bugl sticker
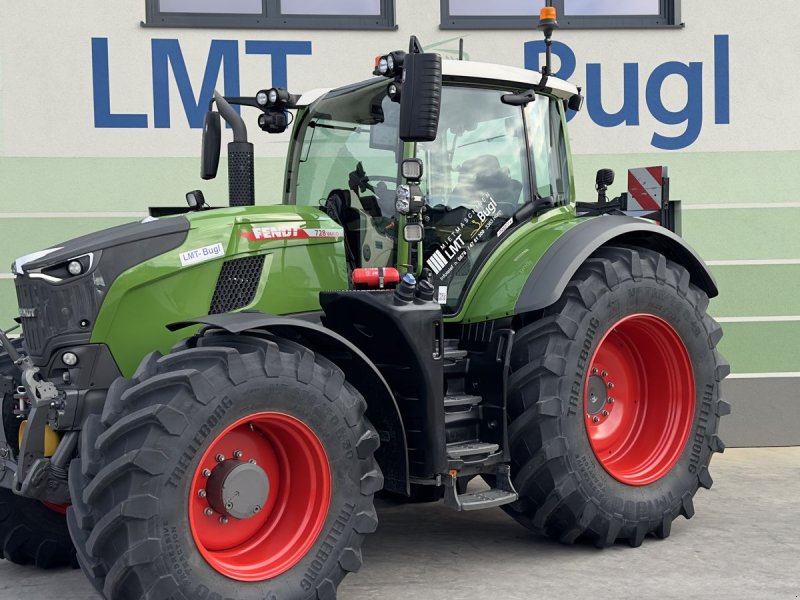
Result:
[470,231]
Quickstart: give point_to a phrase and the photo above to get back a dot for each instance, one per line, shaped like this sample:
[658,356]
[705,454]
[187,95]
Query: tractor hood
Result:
[170,233]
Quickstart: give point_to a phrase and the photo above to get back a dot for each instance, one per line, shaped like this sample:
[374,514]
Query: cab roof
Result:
[469,70]
[465,70]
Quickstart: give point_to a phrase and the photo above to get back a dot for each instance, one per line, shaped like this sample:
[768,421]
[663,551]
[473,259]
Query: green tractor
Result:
[203,404]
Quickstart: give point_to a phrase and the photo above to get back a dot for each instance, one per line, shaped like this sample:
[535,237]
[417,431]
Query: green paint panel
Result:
[757,291]
[701,177]
[146,298]
[762,347]
[496,289]
[8,303]
[743,234]
[120,184]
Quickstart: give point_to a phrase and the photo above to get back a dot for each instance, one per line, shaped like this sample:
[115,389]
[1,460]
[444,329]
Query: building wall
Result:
[85,146]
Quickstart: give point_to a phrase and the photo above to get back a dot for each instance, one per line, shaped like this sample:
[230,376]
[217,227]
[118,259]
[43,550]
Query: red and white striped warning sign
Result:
[645,188]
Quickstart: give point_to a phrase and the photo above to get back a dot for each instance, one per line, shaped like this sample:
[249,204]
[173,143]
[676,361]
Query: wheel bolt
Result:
[223,520]
[604,413]
[220,458]
[595,419]
[594,371]
[202,493]
[237,454]
[209,511]
[206,472]
[604,374]
[252,461]
[610,384]
[610,401]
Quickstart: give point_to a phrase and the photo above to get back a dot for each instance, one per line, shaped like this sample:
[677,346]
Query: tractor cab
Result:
[488,158]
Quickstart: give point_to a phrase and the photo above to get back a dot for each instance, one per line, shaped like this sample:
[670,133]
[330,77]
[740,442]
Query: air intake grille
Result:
[237,284]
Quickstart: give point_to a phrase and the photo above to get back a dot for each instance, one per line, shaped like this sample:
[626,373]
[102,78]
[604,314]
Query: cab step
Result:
[502,493]
[460,450]
[461,400]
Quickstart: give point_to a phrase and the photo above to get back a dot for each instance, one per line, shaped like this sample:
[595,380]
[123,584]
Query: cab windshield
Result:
[347,150]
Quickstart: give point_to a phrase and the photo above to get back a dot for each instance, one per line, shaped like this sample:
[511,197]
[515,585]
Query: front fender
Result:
[382,409]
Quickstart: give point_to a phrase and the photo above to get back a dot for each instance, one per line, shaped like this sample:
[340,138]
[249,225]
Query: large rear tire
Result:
[30,532]
[235,467]
[615,402]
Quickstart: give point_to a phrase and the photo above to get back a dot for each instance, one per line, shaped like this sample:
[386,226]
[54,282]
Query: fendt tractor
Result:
[203,404]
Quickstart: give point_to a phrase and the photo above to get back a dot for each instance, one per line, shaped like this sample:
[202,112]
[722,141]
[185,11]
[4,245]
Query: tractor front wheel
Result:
[615,402]
[235,467]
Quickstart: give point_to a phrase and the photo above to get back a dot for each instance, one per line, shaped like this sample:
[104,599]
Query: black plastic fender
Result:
[382,409]
[557,266]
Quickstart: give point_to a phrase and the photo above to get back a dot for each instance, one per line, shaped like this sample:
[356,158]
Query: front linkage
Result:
[33,474]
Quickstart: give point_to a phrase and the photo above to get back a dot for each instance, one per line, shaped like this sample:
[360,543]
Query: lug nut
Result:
[220,458]
[208,512]
[594,371]
[252,461]
[223,520]
[595,419]
[604,413]
[202,493]
[237,454]
[604,374]
[206,472]
[610,385]
[610,401]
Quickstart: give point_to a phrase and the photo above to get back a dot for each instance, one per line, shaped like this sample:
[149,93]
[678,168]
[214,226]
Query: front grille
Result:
[48,310]
[237,284]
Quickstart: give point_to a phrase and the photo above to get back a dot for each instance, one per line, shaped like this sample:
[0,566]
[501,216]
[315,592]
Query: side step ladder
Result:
[502,493]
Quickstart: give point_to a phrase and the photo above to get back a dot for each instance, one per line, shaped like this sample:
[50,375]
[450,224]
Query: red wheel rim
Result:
[639,399]
[58,508]
[282,532]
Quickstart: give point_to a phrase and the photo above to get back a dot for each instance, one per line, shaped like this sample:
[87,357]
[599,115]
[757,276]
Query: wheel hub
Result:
[596,395]
[237,489]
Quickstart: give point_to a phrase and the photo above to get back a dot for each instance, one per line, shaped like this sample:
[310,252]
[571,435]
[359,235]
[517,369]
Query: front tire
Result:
[235,467]
[615,402]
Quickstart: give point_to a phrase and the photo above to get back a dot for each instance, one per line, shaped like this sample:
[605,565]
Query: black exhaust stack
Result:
[241,162]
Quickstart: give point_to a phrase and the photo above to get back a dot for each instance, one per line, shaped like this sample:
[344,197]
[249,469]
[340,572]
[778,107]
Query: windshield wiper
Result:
[337,127]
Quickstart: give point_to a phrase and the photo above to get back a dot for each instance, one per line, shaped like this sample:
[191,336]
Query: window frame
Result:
[669,18]
[270,18]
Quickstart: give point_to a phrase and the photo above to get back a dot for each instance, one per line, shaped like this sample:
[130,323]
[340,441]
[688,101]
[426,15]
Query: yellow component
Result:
[51,438]
[548,13]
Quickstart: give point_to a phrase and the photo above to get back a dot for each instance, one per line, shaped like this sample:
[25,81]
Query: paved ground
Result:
[744,542]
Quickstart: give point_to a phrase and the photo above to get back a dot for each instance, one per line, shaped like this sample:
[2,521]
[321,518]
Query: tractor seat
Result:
[484,175]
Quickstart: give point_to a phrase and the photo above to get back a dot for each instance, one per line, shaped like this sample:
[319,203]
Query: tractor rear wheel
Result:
[30,532]
[615,402]
[235,467]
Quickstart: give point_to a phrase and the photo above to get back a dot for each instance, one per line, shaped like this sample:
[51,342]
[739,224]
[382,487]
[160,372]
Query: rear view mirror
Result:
[212,141]
[421,97]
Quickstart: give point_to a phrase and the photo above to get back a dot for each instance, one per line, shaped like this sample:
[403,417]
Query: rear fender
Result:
[560,262]
[382,410]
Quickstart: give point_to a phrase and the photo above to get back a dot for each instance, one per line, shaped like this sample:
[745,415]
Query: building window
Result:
[575,14]
[272,14]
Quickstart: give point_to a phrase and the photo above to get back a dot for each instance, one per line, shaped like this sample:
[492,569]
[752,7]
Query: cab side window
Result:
[548,149]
